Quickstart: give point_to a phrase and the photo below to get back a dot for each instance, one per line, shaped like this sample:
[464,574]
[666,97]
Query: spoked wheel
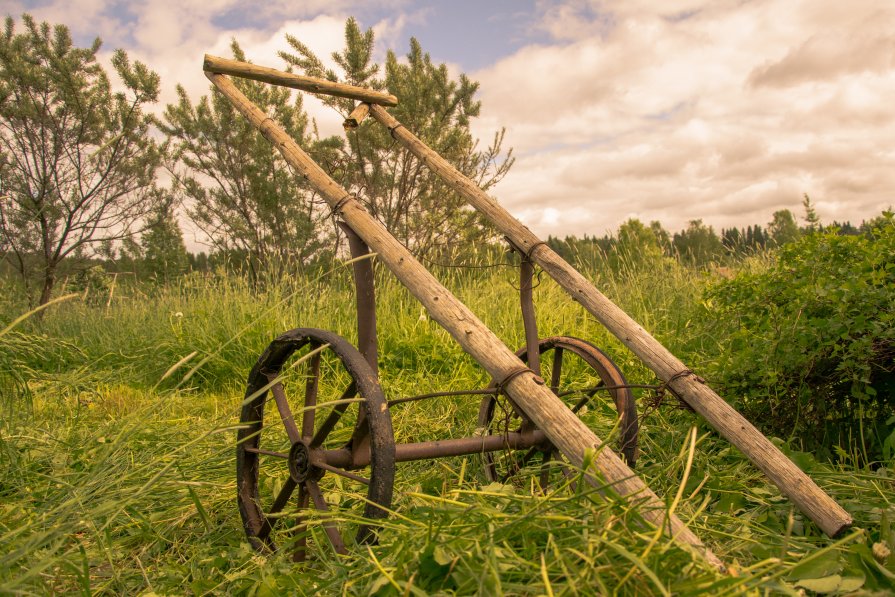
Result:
[584,378]
[326,447]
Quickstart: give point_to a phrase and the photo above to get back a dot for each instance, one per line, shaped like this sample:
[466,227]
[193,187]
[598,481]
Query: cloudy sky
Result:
[671,110]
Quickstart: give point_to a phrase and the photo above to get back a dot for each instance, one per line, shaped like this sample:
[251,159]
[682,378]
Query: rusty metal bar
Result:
[468,445]
[367,339]
[530,323]
[342,458]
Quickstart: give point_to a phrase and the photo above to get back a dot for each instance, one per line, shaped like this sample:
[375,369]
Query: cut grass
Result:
[118,475]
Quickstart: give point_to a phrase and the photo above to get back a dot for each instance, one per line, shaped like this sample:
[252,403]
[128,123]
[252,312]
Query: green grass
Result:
[117,469]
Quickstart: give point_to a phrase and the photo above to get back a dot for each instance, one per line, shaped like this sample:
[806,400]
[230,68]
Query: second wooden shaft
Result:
[564,429]
[794,483]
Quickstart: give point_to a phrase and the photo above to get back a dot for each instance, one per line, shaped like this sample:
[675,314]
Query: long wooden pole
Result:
[246,70]
[794,483]
[561,425]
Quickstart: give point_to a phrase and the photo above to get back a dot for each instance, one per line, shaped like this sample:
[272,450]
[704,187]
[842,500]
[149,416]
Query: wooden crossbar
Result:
[564,429]
[246,70]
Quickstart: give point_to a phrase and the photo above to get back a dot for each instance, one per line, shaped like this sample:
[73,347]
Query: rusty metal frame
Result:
[528,436]
[371,445]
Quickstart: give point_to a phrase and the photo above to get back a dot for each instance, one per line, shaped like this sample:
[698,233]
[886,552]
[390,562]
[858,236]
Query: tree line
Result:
[698,244]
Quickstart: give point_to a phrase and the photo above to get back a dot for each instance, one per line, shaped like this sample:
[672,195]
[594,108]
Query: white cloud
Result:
[672,110]
[171,36]
[678,111]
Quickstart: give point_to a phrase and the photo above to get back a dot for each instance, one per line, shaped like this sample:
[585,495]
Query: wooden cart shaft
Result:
[564,429]
[789,478]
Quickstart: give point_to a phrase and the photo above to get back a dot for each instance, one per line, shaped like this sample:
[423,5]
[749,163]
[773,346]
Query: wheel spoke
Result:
[301,543]
[328,525]
[278,504]
[564,469]
[343,473]
[360,437]
[590,394]
[267,452]
[545,470]
[333,417]
[313,383]
[279,395]
[557,369]
[528,456]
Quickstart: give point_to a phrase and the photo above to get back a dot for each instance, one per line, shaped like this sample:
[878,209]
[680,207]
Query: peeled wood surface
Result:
[794,483]
[561,425]
[216,64]
[356,117]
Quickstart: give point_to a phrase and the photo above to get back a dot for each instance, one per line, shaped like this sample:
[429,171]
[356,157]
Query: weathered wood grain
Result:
[791,480]
[567,432]
[246,70]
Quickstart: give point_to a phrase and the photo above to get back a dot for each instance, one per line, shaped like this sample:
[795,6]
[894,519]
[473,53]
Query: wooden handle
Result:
[215,64]
[794,483]
[565,430]
[356,117]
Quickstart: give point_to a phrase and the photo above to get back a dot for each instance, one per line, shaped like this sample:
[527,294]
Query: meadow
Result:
[117,444]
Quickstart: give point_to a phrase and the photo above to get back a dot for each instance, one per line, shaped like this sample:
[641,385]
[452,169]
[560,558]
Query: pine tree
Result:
[238,189]
[732,240]
[164,253]
[411,201]
[78,162]
[812,221]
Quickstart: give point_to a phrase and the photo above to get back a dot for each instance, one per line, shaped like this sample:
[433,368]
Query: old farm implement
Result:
[338,426]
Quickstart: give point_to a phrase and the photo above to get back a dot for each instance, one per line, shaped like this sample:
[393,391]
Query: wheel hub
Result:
[300,466]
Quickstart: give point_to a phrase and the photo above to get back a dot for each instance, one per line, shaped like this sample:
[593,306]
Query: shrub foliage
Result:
[810,340]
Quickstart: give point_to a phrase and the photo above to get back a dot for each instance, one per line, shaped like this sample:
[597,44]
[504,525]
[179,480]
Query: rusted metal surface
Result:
[498,415]
[526,277]
[367,341]
[260,510]
[350,460]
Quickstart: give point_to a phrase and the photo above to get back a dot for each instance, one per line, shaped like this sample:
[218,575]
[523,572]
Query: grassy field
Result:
[117,456]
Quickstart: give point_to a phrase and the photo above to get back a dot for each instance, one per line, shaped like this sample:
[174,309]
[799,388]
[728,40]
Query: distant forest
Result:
[699,244]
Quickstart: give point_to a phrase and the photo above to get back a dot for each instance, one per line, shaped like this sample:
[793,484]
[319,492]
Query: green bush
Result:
[809,341]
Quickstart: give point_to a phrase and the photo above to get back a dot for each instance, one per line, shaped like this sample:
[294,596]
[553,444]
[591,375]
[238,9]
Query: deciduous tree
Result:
[639,245]
[783,228]
[698,244]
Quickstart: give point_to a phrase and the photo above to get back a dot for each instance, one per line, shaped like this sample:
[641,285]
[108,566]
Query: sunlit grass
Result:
[117,455]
